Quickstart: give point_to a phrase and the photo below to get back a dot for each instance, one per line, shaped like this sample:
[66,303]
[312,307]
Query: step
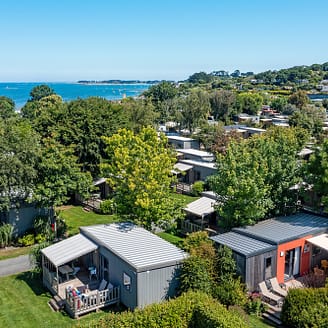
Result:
[272,318]
[274,313]
[53,304]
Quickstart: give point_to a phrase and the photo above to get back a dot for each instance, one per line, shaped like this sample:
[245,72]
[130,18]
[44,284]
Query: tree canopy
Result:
[139,171]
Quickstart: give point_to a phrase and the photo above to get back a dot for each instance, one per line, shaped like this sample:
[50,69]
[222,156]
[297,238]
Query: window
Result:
[268,268]
[126,281]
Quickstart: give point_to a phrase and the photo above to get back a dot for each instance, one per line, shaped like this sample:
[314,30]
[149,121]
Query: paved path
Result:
[15,265]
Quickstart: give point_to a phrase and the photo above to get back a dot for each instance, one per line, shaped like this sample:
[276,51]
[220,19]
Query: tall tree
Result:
[7,107]
[249,103]
[255,175]
[195,110]
[19,153]
[299,99]
[41,91]
[222,102]
[139,171]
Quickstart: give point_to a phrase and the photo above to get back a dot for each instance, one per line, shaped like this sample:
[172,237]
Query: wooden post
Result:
[57,279]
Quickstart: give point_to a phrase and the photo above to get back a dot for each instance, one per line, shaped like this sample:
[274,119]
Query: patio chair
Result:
[324,265]
[102,285]
[276,287]
[266,294]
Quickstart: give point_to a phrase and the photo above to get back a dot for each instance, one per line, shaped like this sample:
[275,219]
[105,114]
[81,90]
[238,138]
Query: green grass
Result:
[171,238]
[76,217]
[13,252]
[256,322]
[185,199]
[23,304]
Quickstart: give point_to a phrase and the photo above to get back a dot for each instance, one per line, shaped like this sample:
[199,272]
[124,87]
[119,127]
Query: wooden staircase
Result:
[272,314]
[56,303]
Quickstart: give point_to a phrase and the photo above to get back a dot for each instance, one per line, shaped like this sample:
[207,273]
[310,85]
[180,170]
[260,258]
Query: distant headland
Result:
[119,82]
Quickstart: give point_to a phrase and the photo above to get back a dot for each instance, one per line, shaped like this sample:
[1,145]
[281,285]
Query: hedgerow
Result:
[192,309]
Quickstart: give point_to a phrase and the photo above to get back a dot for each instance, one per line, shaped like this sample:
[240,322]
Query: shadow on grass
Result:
[34,280]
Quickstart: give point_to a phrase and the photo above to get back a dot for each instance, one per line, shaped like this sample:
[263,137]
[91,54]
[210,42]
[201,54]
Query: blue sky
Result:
[68,40]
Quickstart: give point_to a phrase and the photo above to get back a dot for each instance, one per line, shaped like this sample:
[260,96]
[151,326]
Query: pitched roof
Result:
[242,244]
[201,207]
[140,248]
[283,229]
[69,249]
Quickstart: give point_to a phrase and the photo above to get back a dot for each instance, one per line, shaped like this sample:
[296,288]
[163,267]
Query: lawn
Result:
[256,322]
[24,304]
[185,199]
[76,217]
[173,239]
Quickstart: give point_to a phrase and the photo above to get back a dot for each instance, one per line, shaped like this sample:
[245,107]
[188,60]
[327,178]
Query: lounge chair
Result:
[276,287]
[102,285]
[266,294]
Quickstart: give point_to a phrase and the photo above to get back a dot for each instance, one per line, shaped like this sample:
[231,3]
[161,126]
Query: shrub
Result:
[6,233]
[40,238]
[197,188]
[107,206]
[36,256]
[307,307]
[189,310]
[27,240]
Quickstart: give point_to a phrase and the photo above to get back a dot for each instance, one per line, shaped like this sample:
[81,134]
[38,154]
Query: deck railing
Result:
[187,226]
[91,301]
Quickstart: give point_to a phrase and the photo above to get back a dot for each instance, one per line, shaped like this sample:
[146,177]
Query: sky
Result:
[70,40]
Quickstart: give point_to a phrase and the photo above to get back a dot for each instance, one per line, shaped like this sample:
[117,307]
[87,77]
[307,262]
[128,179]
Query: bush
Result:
[40,238]
[27,240]
[306,307]
[107,206]
[6,233]
[197,188]
[255,305]
[189,310]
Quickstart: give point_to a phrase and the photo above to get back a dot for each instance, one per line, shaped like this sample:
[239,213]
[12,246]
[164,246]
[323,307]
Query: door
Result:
[268,268]
[292,262]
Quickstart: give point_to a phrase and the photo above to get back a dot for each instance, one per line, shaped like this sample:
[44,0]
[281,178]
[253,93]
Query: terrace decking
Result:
[82,294]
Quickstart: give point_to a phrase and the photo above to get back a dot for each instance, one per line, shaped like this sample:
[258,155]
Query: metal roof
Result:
[179,138]
[69,249]
[196,152]
[180,167]
[201,207]
[209,165]
[242,244]
[320,241]
[140,248]
[286,228]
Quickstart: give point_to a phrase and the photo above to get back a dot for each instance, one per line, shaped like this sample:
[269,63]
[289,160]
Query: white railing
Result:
[90,301]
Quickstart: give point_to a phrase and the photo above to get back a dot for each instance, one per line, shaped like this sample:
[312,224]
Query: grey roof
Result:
[201,207]
[209,194]
[209,165]
[140,248]
[180,167]
[242,244]
[179,138]
[69,249]
[283,229]
[196,152]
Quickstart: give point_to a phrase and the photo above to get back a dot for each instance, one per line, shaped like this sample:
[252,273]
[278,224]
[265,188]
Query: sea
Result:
[19,92]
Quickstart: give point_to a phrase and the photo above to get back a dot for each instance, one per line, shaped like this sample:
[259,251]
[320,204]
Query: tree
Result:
[279,104]
[59,176]
[249,103]
[40,92]
[200,77]
[138,169]
[299,99]
[222,104]
[19,153]
[316,172]
[162,91]
[195,110]
[7,107]
[255,175]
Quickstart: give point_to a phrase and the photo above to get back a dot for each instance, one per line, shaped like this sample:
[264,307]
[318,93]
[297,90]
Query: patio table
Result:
[66,270]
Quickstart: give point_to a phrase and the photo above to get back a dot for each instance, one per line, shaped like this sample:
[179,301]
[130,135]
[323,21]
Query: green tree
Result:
[195,110]
[162,91]
[139,171]
[299,99]
[40,92]
[249,103]
[222,105]
[255,175]
[7,107]
[19,153]
[279,104]
[59,176]
[200,77]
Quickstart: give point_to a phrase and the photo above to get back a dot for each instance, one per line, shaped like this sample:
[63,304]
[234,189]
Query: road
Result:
[15,265]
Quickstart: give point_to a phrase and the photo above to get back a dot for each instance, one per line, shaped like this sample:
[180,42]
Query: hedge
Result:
[307,307]
[192,309]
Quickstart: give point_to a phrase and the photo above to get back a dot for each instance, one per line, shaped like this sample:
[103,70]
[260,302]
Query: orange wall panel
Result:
[304,257]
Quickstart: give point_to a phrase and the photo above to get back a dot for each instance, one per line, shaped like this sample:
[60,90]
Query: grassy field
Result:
[76,217]
[256,322]
[185,199]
